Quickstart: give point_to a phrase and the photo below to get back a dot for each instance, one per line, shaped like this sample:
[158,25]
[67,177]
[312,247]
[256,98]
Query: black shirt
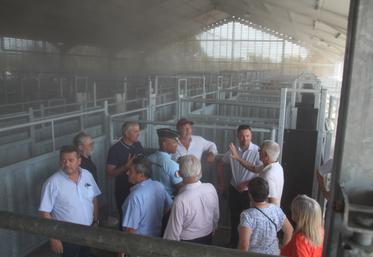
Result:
[88,164]
[118,155]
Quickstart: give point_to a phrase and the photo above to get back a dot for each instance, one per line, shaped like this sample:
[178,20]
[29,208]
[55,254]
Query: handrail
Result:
[42,121]
[230,102]
[14,115]
[113,240]
[128,112]
[256,92]
[126,101]
[165,104]
[30,102]
[60,106]
[69,113]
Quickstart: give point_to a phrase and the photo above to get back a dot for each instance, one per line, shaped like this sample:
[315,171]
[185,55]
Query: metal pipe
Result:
[129,112]
[94,93]
[230,102]
[53,139]
[113,240]
[281,120]
[50,120]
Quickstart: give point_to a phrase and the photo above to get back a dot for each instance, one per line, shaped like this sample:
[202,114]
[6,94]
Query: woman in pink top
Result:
[308,237]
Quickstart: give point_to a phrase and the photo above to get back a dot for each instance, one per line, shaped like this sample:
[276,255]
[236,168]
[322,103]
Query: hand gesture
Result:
[234,152]
[131,157]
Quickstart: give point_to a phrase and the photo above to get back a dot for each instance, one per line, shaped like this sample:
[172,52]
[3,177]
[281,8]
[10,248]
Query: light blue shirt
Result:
[68,201]
[144,208]
[165,170]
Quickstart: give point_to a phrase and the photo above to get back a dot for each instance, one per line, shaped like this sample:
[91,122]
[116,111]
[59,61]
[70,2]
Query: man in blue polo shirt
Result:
[147,203]
[70,195]
[120,159]
[164,169]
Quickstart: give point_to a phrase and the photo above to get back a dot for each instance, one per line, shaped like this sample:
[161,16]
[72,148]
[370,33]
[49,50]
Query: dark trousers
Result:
[119,203]
[205,240]
[238,201]
[165,219]
[73,250]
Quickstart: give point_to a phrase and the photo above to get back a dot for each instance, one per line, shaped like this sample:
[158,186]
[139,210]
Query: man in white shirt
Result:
[195,211]
[270,169]
[70,195]
[190,144]
[237,156]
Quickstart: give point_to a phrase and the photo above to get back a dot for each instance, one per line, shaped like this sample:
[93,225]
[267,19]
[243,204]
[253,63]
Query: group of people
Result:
[161,195]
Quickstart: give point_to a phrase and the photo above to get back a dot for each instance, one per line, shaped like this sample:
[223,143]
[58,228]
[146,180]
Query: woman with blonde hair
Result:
[308,237]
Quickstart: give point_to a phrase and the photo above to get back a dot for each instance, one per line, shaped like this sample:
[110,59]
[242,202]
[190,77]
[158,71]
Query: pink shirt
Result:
[195,212]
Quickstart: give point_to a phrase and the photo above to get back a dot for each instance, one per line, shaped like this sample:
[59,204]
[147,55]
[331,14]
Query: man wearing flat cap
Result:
[190,144]
[164,169]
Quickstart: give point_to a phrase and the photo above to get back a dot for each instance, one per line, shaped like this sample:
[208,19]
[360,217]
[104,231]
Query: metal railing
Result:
[52,122]
[24,106]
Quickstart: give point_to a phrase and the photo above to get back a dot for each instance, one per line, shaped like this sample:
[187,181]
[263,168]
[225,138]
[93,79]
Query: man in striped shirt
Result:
[238,196]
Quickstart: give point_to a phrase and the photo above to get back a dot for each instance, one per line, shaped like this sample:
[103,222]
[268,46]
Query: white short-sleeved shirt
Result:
[274,175]
[198,145]
[239,172]
[264,233]
[69,201]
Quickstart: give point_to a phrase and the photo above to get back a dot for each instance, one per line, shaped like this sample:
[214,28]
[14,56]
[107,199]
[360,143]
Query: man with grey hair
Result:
[120,158]
[84,142]
[271,170]
[195,212]
[147,203]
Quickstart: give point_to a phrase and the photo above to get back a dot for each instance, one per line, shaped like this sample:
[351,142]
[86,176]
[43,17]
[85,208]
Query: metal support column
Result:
[320,136]
[94,93]
[32,132]
[353,174]
[150,113]
[281,121]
